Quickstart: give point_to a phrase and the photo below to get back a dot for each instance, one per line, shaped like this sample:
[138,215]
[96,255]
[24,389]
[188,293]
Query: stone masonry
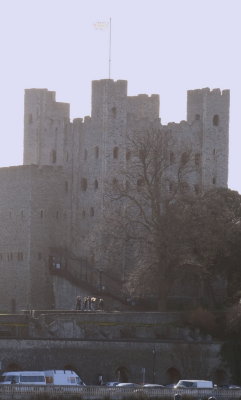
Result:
[50,206]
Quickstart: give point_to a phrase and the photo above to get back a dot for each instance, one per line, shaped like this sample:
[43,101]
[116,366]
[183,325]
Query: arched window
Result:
[115,152]
[41,214]
[173,375]
[216,120]
[122,374]
[84,184]
[13,367]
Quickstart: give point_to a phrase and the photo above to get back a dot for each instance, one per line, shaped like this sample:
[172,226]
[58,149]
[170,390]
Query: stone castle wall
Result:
[53,205]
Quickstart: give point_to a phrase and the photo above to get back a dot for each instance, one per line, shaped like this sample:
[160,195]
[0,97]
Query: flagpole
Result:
[110,49]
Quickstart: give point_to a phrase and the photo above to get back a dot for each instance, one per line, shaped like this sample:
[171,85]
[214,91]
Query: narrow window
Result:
[39,256]
[115,152]
[41,214]
[83,214]
[214,180]
[92,212]
[84,184]
[197,189]
[184,187]
[197,159]
[54,156]
[139,183]
[67,156]
[22,214]
[114,182]
[66,186]
[97,152]
[216,120]
[142,154]
[96,184]
[113,112]
[30,118]
[184,158]
[214,152]
[128,155]
[171,187]
[172,157]
[85,154]
[57,214]
[197,117]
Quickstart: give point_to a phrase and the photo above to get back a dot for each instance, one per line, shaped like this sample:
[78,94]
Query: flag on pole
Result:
[101,25]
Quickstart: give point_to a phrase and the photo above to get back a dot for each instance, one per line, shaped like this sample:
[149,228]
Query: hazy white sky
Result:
[159,46]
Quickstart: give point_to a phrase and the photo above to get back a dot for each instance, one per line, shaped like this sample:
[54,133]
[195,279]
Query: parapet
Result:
[143,106]
[43,100]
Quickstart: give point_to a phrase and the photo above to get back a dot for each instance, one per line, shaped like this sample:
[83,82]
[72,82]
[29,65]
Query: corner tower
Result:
[211,108]
[45,126]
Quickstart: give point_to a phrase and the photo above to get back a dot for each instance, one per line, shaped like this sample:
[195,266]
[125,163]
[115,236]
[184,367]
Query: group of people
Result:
[89,303]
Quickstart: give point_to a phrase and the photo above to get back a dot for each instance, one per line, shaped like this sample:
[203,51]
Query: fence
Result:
[29,392]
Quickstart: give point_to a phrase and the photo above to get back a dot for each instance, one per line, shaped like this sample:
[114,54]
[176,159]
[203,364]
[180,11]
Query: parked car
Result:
[194,383]
[128,385]
[153,385]
[111,383]
[23,378]
[62,377]
[234,387]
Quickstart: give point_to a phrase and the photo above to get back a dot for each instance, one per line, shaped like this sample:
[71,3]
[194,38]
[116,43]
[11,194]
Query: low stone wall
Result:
[21,392]
[110,358]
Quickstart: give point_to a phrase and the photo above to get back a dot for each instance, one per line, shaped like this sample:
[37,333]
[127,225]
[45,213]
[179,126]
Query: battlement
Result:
[207,91]
[144,106]
[203,101]
[44,101]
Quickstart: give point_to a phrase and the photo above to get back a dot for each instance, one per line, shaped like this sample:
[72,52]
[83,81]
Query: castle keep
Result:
[50,205]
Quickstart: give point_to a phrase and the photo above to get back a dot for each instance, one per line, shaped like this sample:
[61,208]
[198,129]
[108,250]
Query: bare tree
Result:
[141,211]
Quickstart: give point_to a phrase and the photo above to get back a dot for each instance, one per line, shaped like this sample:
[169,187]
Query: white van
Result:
[62,377]
[195,384]
[23,378]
